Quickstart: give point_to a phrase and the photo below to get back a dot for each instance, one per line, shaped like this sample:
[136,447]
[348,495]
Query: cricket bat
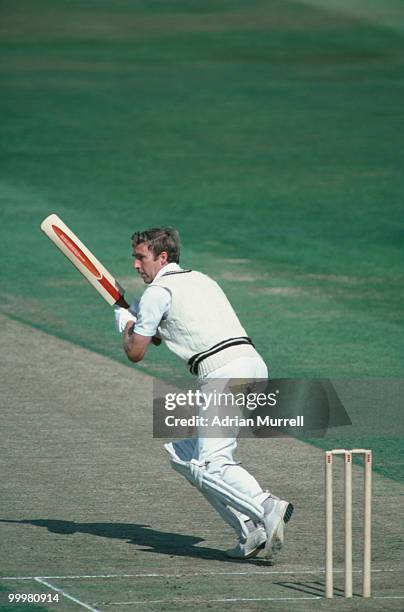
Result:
[84,260]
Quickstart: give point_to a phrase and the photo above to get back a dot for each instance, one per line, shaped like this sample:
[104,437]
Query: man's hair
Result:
[159,239]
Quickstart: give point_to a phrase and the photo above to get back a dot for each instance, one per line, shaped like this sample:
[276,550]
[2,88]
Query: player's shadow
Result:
[161,542]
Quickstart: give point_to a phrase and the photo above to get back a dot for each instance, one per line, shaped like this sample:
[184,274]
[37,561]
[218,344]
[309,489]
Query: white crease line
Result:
[62,592]
[233,600]
[208,601]
[195,574]
[388,596]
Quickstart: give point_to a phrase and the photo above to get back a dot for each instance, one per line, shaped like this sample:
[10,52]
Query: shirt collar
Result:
[170,267]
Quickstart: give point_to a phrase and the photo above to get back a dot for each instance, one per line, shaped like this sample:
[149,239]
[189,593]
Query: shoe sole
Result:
[288,513]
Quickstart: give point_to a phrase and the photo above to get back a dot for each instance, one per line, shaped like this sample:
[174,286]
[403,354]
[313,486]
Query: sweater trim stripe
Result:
[175,272]
[195,360]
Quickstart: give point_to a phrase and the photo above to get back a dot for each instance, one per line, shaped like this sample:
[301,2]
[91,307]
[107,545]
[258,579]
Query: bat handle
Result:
[122,302]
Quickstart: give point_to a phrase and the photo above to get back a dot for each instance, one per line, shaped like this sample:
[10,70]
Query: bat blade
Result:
[84,260]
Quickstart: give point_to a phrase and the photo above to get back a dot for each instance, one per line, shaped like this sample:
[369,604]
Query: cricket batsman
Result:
[190,313]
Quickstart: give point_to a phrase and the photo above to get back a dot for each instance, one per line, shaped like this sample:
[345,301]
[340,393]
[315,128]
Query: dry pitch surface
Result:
[91,509]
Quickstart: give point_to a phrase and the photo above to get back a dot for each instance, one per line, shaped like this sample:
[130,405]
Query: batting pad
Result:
[213,487]
[181,454]
[234,519]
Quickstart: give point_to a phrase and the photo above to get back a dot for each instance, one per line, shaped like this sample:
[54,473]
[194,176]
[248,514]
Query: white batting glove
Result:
[122,317]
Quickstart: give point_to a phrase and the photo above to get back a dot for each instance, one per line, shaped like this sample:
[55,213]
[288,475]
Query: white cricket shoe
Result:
[251,547]
[274,523]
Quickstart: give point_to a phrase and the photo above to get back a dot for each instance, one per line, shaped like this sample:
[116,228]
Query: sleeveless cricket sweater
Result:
[201,326]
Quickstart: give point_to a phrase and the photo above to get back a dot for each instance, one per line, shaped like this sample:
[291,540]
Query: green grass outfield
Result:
[268,132]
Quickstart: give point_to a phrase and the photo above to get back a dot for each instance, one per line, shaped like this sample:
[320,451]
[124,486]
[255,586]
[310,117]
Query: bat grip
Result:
[122,302]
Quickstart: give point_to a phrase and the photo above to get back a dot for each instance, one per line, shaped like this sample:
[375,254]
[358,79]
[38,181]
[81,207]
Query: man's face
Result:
[145,262]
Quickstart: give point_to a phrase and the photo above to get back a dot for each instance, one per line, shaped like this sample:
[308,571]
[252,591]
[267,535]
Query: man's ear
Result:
[163,257]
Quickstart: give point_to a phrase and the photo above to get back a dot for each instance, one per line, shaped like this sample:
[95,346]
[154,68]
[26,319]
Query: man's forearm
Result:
[135,345]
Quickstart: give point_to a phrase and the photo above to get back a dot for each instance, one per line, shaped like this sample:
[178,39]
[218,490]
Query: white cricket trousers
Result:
[218,452]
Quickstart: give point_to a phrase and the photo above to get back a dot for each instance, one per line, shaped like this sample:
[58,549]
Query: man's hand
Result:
[135,345]
[122,317]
